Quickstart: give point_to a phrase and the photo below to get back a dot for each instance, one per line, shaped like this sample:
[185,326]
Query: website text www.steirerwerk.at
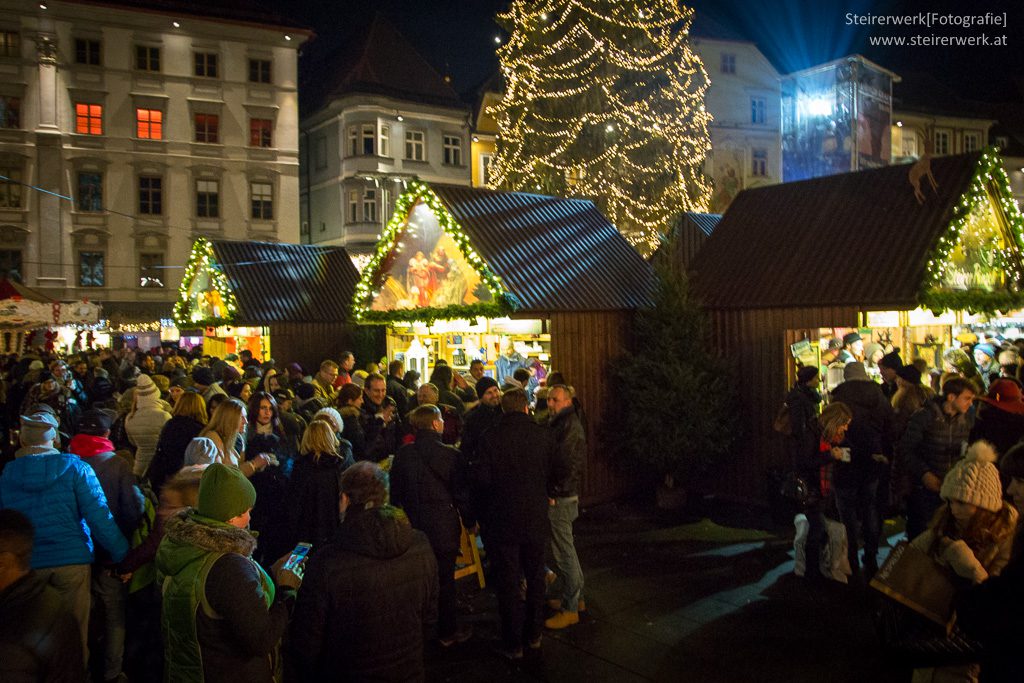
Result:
[948,30]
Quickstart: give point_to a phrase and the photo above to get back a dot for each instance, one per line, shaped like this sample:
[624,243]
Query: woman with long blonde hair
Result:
[814,465]
[314,487]
[223,429]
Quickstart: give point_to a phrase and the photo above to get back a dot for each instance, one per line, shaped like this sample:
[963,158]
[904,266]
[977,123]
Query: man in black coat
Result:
[513,473]
[567,470]
[395,388]
[428,483]
[39,637]
[856,480]
[367,594]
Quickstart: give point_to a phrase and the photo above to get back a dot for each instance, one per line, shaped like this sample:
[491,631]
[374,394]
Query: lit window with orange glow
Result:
[149,124]
[89,119]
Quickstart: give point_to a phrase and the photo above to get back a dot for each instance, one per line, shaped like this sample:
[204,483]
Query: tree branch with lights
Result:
[604,100]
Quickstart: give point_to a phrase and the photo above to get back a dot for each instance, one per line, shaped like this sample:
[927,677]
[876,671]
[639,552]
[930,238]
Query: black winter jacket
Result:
[513,477]
[803,411]
[428,481]
[313,494]
[1000,427]
[570,462]
[39,637]
[870,432]
[933,441]
[169,457]
[364,601]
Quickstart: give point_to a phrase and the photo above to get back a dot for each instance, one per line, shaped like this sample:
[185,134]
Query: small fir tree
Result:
[604,99]
[679,399]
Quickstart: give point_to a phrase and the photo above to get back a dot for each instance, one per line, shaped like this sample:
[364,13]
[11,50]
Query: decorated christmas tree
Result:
[604,99]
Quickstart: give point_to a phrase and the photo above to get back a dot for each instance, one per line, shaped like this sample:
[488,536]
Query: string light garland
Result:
[418,193]
[201,260]
[989,184]
[604,100]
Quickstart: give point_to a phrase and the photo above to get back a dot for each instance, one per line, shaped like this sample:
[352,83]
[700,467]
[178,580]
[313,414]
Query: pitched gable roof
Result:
[381,61]
[547,253]
[854,239]
[275,282]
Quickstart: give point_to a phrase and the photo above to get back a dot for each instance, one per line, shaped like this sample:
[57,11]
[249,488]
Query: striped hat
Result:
[146,391]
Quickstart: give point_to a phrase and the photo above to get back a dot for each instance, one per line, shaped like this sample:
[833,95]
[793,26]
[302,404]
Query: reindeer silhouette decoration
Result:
[922,168]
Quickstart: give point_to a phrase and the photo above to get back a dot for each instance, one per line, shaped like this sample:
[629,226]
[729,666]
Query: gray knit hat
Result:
[201,451]
[38,428]
[975,479]
[855,371]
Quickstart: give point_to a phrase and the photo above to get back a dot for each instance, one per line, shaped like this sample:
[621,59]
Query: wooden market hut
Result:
[873,251]
[297,294]
[519,257]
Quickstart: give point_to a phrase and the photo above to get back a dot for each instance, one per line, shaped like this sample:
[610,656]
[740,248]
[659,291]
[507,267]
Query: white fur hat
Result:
[975,479]
[332,415]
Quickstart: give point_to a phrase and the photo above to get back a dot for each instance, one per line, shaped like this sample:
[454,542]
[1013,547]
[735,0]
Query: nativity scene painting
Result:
[426,269]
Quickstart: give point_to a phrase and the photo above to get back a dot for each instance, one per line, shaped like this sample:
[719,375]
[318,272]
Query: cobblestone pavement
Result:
[665,604]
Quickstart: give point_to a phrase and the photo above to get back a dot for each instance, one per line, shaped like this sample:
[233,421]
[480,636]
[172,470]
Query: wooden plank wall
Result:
[758,342]
[584,347]
[308,343]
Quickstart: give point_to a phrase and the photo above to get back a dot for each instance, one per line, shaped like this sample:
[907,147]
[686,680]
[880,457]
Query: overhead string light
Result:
[604,100]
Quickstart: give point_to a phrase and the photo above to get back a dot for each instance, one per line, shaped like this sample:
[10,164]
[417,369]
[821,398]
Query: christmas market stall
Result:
[916,257]
[286,301]
[511,279]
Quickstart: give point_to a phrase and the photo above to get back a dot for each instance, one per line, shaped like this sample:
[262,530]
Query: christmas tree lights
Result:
[604,100]
[989,188]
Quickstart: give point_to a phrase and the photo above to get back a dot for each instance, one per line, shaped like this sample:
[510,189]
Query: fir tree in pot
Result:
[678,399]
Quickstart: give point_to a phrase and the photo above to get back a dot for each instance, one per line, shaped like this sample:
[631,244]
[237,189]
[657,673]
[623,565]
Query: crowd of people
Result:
[150,503]
[950,460]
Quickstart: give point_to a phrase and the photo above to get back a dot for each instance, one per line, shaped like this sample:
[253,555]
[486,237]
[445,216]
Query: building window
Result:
[972,142]
[206,64]
[759,163]
[320,152]
[941,142]
[10,264]
[414,147]
[370,206]
[304,228]
[757,110]
[90,269]
[728,63]
[353,206]
[259,71]
[1002,141]
[452,150]
[10,44]
[87,52]
[323,226]
[10,187]
[151,270]
[207,199]
[384,141]
[909,143]
[262,201]
[88,119]
[151,195]
[10,112]
[207,128]
[361,140]
[147,58]
[261,132]
[90,191]
[149,124]
[485,168]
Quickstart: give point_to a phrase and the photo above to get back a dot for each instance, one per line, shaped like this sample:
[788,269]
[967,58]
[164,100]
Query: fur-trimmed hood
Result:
[190,535]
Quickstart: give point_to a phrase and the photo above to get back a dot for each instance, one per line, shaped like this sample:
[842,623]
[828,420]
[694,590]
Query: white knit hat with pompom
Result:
[975,479]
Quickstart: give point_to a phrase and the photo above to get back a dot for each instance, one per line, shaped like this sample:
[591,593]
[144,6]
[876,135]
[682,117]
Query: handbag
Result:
[915,620]
[795,488]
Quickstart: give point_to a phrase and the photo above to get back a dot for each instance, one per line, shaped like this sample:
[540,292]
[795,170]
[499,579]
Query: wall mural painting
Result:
[426,269]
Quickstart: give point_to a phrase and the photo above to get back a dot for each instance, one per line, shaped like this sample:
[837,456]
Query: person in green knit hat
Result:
[223,616]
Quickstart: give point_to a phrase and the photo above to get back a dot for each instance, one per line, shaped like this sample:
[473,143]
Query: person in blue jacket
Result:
[63,499]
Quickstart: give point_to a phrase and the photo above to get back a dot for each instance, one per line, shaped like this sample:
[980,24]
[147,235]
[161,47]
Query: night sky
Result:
[458,35]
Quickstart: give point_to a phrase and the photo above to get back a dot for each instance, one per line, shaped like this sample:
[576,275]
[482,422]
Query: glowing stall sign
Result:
[426,269]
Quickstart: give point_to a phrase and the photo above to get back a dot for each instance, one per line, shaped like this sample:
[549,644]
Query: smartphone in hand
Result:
[297,559]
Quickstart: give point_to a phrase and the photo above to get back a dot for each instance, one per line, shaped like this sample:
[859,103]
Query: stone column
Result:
[49,230]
